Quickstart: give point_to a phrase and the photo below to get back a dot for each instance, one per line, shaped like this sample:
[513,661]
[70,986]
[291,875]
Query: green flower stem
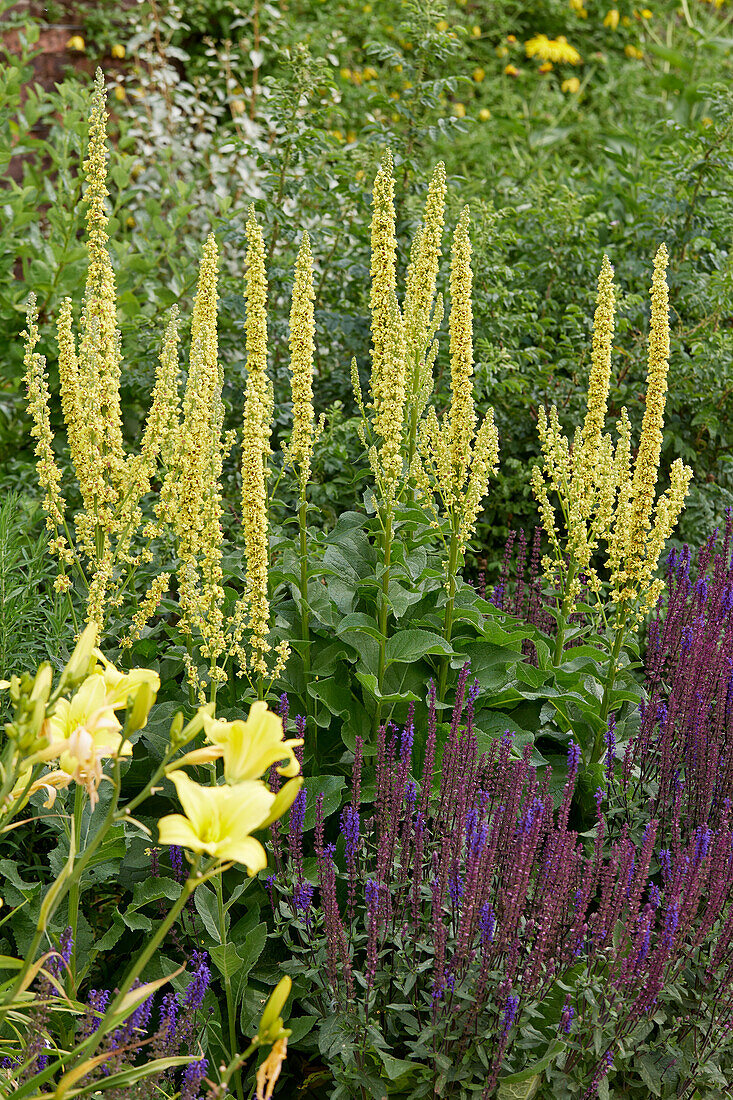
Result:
[384,607]
[305,612]
[75,883]
[608,686]
[564,610]
[450,604]
[231,1005]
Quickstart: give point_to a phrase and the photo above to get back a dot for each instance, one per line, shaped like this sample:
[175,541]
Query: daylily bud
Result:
[42,683]
[82,660]
[196,724]
[273,1010]
[144,700]
[176,728]
[284,799]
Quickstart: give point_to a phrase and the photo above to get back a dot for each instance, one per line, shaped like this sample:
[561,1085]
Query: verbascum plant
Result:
[103,549]
[603,496]
[190,500]
[252,613]
[453,460]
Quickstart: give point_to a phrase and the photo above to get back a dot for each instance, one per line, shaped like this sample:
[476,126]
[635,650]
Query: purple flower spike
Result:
[193,1075]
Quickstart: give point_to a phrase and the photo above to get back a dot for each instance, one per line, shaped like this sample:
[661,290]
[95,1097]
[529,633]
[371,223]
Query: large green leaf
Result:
[407,646]
[330,786]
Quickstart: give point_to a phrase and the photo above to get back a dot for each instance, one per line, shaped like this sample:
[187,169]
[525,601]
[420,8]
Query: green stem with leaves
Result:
[305,610]
[384,604]
[452,567]
[608,685]
[564,612]
[230,1000]
[75,885]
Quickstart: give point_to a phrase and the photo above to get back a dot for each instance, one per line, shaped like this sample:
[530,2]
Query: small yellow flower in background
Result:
[476,30]
[118,51]
[237,106]
[645,13]
[546,67]
[611,19]
[250,748]
[406,86]
[369,73]
[511,70]
[459,110]
[478,75]
[511,38]
[345,74]
[557,50]
[706,122]
[130,222]
[572,84]
[351,136]
[337,134]
[579,8]
[484,114]
[398,68]
[441,25]
[367,9]
[626,22]
[76,42]
[359,175]
[501,51]
[394,95]
[633,52]
[120,93]
[219,820]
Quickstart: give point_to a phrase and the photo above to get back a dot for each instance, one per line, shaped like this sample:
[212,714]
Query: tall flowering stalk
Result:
[453,460]
[253,610]
[604,497]
[111,482]
[299,450]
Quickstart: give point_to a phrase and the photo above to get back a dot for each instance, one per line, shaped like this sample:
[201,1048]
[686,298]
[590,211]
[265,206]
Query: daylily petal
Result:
[177,829]
[199,804]
[249,852]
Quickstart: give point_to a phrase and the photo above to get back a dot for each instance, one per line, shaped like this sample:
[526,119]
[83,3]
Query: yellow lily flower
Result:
[121,686]
[219,820]
[250,748]
[83,731]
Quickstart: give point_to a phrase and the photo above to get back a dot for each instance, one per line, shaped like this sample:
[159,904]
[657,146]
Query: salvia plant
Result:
[53,1037]
[461,905]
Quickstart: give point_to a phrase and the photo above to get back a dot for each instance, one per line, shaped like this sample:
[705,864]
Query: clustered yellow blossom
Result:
[218,820]
[453,460]
[190,501]
[600,497]
[557,50]
[302,346]
[388,338]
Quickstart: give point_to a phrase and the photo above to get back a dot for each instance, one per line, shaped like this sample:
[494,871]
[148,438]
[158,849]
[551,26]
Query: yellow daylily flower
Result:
[219,820]
[82,732]
[250,748]
[121,686]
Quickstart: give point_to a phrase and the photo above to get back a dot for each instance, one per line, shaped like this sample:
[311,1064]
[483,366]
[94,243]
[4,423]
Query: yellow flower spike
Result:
[650,443]
[49,475]
[251,747]
[600,373]
[218,821]
[422,275]
[462,412]
[302,348]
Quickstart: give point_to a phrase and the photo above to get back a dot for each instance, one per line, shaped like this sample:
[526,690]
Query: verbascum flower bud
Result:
[423,270]
[600,372]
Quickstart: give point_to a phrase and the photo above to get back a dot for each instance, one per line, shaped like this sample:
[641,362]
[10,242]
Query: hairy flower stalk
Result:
[253,610]
[453,460]
[300,448]
[111,483]
[422,313]
[191,494]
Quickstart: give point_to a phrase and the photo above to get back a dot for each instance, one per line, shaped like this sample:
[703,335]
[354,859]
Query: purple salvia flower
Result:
[350,831]
[566,1020]
[176,857]
[487,924]
[193,1075]
[510,1012]
[199,983]
[302,897]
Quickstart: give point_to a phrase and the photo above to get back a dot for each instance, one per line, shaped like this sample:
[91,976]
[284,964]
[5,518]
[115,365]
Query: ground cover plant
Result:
[484,819]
